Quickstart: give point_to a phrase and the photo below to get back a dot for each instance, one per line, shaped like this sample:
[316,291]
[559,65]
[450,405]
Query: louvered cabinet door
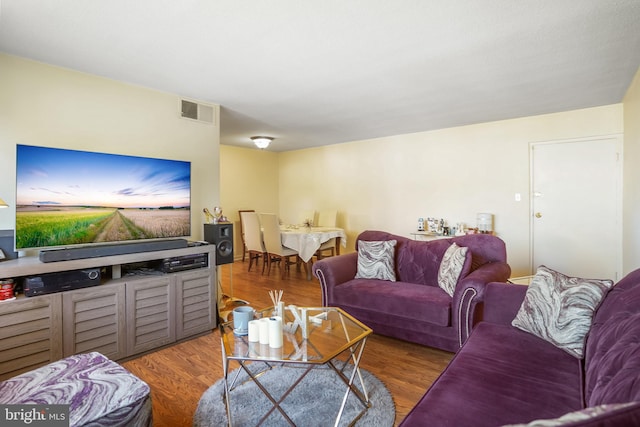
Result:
[94,320]
[150,313]
[196,303]
[31,334]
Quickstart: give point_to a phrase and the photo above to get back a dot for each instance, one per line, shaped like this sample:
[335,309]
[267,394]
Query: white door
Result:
[576,207]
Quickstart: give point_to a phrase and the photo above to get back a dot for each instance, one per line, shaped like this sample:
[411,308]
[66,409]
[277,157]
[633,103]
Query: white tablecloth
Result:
[307,240]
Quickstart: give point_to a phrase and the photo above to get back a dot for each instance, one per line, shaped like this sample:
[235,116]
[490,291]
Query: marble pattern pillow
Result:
[376,260]
[559,308]
[451,267]
[600,412]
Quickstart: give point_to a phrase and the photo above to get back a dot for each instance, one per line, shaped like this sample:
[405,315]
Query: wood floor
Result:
[180,374]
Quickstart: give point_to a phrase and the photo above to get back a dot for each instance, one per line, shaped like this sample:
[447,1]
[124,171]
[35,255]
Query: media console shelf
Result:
[121,317]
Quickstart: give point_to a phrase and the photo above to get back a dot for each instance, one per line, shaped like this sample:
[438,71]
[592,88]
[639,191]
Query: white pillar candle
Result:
[263,351]
[264,330]
[275,353]
[254,349]
[254,330]
[275,332]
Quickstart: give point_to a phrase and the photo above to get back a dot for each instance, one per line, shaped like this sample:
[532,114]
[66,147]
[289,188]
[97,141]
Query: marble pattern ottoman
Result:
[99,391]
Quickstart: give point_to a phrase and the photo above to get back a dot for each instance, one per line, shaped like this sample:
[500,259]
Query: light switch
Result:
[518,197]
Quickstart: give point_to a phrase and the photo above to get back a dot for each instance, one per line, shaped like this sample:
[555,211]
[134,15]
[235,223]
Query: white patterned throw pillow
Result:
[559,308]
[600,412]
[376,260]
[451,267]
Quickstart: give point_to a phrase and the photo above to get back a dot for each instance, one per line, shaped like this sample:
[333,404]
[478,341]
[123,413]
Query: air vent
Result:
[196,111]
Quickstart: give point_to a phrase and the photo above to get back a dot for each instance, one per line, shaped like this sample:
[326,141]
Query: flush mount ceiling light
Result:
[262,142]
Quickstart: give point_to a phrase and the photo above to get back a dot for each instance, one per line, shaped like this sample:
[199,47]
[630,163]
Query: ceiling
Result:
[313,73]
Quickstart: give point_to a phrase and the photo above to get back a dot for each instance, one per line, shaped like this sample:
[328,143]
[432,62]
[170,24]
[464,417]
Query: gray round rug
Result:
[314,402]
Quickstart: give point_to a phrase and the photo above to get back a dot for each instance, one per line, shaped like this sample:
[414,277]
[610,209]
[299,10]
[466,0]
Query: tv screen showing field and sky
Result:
[69,197]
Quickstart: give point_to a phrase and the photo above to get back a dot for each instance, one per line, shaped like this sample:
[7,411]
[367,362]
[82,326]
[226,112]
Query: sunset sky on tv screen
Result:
[60,177]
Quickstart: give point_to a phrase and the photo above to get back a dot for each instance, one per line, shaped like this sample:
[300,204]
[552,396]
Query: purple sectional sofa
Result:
[414,308]
[504,376]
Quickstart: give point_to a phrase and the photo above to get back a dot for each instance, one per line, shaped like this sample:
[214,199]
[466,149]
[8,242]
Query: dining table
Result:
[307,240]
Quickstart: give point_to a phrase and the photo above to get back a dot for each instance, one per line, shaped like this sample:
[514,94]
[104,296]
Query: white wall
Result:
[248,180]
[631,197]
[55,107]
[384,183]
[387,183]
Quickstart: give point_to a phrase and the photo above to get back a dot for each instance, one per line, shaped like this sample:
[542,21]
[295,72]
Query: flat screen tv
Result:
[67,198]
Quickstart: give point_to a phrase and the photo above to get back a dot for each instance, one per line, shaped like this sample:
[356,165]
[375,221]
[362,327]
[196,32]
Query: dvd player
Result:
[184,262]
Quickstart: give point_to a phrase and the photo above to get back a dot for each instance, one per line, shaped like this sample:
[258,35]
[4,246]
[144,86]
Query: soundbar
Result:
[82,252]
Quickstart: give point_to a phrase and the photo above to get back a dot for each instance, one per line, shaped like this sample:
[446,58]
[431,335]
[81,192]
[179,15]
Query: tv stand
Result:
[122,317]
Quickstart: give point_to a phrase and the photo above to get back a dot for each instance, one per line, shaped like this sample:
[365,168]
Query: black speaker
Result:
[221,235]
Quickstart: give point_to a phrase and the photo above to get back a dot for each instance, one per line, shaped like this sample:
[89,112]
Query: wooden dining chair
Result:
[244,244]
[276,253]
[327,218]
[253,239]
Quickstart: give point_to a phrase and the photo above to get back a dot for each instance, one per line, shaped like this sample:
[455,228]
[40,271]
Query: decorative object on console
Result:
[485,223]
[432,225]
[262,142]
[215,217]
[555,303]
[209,216]
[217,214]
[376,260]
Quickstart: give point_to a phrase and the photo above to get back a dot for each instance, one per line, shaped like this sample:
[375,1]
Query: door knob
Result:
[538,215]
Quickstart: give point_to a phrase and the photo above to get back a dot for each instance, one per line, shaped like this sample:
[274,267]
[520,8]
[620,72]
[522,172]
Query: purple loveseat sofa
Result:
[415,308]
[504,376]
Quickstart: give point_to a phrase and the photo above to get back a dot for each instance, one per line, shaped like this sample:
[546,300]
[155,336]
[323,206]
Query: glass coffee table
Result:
[331,332]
